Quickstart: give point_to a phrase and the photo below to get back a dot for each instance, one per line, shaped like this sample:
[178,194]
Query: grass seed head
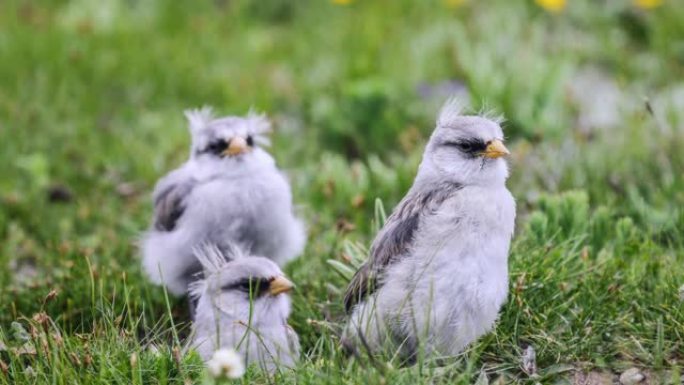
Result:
[51,295]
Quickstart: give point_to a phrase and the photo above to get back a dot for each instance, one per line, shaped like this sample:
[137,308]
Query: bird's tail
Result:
[167,260]
[292,243]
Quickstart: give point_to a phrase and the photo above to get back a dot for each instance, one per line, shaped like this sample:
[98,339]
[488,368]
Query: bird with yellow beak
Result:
[228,191]
[437,273]
[243,304]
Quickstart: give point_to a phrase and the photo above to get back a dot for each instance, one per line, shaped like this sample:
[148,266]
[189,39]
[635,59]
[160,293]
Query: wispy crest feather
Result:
[491,114]
[260,127]
[199,118]
[197,288]
[213,260]
[455,107]
[451,110]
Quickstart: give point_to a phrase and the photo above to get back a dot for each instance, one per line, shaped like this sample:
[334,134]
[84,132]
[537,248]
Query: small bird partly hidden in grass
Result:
[230,190]
[243,305]
[437,274]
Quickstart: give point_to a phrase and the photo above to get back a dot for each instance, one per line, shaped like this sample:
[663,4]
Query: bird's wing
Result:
[169,203]
[395,239]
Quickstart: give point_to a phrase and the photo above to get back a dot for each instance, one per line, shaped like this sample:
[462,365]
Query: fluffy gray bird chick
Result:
[230,190]
[243,304]
[437,274]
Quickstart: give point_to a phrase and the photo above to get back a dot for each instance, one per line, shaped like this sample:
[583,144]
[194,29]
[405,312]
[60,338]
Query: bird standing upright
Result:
[437,274]
[243,305]
[230,190]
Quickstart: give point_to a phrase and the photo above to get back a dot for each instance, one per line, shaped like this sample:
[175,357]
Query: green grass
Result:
[91,95]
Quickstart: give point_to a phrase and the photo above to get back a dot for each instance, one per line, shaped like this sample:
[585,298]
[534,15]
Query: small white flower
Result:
[226,363]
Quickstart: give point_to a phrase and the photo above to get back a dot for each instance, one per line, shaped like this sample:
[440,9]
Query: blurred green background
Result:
[91,101]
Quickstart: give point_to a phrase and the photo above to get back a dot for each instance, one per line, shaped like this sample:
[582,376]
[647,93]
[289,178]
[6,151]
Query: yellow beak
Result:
[280,285]
[236,146]
[495,149]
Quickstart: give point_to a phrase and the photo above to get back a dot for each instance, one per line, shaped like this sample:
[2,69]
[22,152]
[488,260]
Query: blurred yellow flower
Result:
[648,4]
[551,5]
[342,2]
[453,4]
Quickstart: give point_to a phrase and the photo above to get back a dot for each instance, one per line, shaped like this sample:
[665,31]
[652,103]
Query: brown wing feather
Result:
[394,240]
[169,206]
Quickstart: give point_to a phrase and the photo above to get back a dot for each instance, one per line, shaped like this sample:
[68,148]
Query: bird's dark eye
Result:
[466,146]
[254,286]
[217,147]
[469,146]
[250,141]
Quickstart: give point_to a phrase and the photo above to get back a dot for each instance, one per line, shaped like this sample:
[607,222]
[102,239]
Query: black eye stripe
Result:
[256,286]
[216,147]
[468,146]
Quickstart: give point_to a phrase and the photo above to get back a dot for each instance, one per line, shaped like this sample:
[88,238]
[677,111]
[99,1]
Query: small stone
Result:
[631,376]
[681,293]
[594,377]
[529,361]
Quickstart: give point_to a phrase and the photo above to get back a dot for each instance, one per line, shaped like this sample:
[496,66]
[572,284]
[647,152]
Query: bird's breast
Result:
[465,245]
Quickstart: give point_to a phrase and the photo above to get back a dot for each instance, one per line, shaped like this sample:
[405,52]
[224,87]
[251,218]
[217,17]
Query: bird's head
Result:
[231,140]
[467,150]
[240,286]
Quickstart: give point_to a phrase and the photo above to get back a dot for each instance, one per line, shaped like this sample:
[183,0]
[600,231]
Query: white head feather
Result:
[199,118]
[206,128]
[455,152]
[260,127]
[452,109]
